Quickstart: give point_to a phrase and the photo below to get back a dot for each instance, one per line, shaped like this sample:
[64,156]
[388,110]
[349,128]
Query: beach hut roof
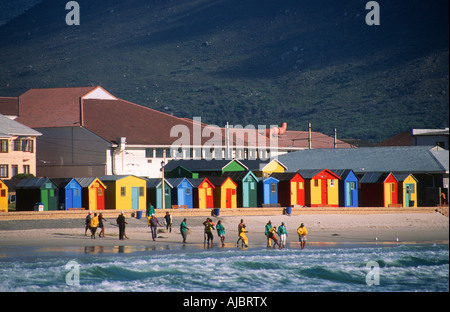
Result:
[177,181]
[33,183]
[239,175]
[259,165]
[218,181]
[62,182]
[87,181]
[375,177]
[196,165]
[284,176]
[156,182]
[342,173]
[199,181]
[403,176]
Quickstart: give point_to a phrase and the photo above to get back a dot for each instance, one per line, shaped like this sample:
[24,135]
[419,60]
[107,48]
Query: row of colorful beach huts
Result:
[230,186]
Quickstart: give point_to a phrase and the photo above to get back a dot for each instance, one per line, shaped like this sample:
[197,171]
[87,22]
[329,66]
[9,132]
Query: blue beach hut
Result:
[70,193]
[348,188]
[267,191]
[181,192]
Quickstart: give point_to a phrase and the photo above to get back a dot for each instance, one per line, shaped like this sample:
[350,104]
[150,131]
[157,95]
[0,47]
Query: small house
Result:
[225,195]
[182,193]
[378,189]
[247,188]
[267,191]
[321,188]
[92,193]
[125,192]
[69,193]
[407,189]
[3,196]
[264,168]
[36,190]
[203,193]
[155,191]
[348,188]
[291,188]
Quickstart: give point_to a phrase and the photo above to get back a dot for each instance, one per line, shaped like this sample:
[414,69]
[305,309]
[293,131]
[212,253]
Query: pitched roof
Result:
[374,177]
[87,181]
[32,183]
[284,176]
[196,182]
[9,127]
[9,105]
[197,165]
[177,181]
[411,159]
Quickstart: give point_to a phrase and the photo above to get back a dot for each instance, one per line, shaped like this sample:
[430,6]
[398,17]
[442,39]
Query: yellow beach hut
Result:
[225,195]
[321,188]
[264,168]
[3,197]
[125,192]
[407,189]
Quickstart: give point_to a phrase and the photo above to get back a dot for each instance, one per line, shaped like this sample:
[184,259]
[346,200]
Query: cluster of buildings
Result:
[62,134]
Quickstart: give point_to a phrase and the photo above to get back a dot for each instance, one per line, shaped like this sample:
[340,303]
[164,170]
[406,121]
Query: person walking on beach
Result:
[240,225]
[272,236]
[243,236]
[101,225]
[94,225]
[267,232]
[183,229]
[205,235]
[153,223]
[302,232]
[121,223]
[88,222]
[209,227]
[221,232]
[282,232]
[168,222]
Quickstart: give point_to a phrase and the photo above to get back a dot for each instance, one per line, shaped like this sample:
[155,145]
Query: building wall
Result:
[19,157]
[71,152]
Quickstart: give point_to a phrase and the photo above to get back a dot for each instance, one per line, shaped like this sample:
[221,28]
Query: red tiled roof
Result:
[9,106]
[57,107]
[110,119]
[401,139]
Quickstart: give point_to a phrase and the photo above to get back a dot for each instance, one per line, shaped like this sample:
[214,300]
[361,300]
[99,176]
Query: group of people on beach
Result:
[271,232]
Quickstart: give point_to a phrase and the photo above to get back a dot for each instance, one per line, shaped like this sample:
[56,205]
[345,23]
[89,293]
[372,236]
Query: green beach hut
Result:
[36,190]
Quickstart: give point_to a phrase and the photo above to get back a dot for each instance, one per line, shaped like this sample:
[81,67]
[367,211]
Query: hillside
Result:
[245,62]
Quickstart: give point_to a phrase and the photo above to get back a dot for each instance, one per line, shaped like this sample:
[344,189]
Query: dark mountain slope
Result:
[245,62]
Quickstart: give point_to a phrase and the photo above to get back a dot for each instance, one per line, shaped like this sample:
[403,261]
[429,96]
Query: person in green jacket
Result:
[221,232]
[267,233]
[282,232]
[183,229]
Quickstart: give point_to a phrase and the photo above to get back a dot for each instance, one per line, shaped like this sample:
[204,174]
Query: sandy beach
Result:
[384,228]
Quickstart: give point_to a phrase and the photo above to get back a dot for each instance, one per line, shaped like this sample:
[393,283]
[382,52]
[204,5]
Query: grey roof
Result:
[195,165]
[374,177]
[258,164]
[238,175]
[86,181]
[156,182]
[408,159]
[33,183]
[196,182]
[177,181]
[9,127]
[284,176]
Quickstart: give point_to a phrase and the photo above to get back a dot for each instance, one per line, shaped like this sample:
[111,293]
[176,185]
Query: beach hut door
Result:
[293,193]
[201,198]
[69,199]
[349,187]
[245,194]
[228,198]
[93,198]
[324,184]
[135,197]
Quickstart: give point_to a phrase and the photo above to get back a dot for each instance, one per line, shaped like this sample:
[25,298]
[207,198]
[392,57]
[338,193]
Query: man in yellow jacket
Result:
[302,232]
[94,225]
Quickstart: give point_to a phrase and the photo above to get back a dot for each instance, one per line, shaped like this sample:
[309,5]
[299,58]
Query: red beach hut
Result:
[379,189]
[291,188]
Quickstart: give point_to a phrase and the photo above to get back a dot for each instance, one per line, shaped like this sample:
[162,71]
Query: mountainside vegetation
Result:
[245,61]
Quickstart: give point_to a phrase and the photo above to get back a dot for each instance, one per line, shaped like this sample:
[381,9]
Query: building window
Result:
[141,191]
[27,146]
[3,146]
[331,183]
[99,192]
[188,192]
[300,185]
[14,170]
[4,171]
[316,183]
[159,152]
[123,191]
[149,152]
[273,187]
[17,146]
[26,169]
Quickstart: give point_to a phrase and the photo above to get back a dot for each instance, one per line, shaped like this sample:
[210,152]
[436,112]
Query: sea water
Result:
[423,268]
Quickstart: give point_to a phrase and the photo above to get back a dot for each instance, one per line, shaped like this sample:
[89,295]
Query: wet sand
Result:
[323,229]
